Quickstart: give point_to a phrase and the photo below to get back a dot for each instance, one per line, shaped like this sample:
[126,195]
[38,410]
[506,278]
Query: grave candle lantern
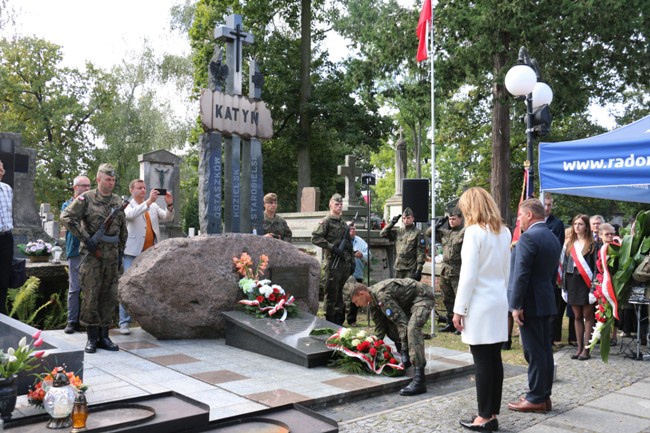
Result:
[59,400]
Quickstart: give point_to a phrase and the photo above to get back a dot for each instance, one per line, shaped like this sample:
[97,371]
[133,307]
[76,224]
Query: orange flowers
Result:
[244,266]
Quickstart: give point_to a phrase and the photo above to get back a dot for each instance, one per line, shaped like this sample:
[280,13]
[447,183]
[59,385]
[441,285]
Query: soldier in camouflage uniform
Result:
[400,307]
[99,269]
[452,243]
[274,225]
[410,246]
[337,262]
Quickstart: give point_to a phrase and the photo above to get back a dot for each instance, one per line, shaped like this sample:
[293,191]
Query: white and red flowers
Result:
[23,358]
[263,298]
[367,350]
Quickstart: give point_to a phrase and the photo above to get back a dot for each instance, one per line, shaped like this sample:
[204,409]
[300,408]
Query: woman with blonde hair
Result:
[481,307]
[578,274]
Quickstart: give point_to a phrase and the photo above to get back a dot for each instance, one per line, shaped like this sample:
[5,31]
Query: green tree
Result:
[588,51]
[52,107]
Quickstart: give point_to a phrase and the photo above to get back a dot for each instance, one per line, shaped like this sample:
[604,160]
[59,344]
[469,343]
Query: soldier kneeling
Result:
[400,307]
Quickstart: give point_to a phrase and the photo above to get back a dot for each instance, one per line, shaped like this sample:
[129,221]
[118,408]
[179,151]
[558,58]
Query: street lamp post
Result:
[524,82]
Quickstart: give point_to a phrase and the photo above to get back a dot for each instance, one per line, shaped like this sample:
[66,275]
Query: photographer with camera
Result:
[338,258]
[274,225]
[410,246]
[142,218]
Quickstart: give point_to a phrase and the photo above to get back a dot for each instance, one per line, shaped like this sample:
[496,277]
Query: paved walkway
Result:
[588,396]
[229,380]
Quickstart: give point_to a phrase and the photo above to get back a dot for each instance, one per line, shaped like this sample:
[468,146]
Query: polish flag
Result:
[425,17]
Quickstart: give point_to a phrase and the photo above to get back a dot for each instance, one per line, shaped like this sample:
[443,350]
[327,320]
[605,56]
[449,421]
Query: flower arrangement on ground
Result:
[263,299]
[358,352]
[23,358]
[36,395]
[39,248]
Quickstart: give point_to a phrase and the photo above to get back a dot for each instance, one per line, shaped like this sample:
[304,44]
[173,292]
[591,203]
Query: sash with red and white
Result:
[607,288]
[272,310]
[560,267]
[583,267]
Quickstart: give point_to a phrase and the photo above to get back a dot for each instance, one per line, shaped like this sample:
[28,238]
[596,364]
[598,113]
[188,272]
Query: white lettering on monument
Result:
[253,184]
[236,197]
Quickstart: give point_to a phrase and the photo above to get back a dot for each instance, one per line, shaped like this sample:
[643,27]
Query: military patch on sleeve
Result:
[389,312]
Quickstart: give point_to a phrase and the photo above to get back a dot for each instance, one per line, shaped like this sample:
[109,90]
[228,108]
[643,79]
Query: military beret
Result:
[270,197]
[407,212]
[337,198]
[106,169]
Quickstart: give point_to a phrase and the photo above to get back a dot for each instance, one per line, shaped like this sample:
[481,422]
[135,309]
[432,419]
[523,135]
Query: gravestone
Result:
[309,199]
[393,205]
[350,171]
[20,166]
[288,341]
[50,226]
[59,351]
[161,169]
[235,124]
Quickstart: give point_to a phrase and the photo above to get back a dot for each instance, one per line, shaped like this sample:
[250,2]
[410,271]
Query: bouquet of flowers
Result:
[359,351]
[35,396]
[263,299]
[38,248]
[23,358]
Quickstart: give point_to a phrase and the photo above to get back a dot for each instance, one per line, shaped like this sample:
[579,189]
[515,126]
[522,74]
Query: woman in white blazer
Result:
[136,224]
[481,306]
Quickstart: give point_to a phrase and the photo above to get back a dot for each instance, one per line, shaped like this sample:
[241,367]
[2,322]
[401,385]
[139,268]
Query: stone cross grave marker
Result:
[350,172]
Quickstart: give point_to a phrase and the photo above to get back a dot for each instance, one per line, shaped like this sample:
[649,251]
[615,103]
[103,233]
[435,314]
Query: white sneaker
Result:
[124,329]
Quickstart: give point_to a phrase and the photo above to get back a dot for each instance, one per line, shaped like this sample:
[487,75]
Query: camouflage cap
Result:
[270,197]
[337,198]
[456,212]
[407,212]
[106,169]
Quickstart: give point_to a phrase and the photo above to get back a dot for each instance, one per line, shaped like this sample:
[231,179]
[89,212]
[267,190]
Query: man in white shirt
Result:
[6,239]
[142,217]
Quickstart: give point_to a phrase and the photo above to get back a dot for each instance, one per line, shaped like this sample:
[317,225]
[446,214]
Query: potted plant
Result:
[37,251]
[13,361]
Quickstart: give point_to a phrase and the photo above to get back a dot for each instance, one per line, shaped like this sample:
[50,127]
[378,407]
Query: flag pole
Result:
[433,170]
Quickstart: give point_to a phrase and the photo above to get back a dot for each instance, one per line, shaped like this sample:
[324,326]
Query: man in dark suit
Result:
[532,301]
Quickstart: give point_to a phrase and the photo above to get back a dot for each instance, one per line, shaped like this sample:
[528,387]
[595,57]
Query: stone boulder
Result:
[178,288]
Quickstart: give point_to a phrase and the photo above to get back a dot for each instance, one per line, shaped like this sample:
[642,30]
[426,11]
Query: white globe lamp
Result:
[520,80]
[542,94]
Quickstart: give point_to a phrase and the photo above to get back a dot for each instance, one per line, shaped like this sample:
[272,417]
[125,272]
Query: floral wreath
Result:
[360,349]
[263,299]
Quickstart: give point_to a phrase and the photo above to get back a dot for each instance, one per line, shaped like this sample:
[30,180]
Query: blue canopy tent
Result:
[614,165]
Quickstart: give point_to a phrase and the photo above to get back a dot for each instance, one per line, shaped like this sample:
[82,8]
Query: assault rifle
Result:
[100,234]
[345,238]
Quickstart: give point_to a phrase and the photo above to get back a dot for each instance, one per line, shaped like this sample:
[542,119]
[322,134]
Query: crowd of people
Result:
[488,282]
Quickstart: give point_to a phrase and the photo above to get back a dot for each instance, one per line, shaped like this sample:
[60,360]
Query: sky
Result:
[99,31]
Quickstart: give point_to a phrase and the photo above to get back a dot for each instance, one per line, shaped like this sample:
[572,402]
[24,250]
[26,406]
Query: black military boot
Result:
[406,360]
[418,385]
[105,342]
[450,325]
[93,336]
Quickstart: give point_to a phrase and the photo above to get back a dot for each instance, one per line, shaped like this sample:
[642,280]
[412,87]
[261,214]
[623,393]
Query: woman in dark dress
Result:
[579,267]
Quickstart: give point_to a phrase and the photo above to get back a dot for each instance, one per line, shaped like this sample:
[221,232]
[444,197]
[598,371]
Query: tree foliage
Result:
[52,107]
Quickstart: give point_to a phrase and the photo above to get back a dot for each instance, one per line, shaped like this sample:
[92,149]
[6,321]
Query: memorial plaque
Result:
[293,279]
[210,184]
[288,341]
